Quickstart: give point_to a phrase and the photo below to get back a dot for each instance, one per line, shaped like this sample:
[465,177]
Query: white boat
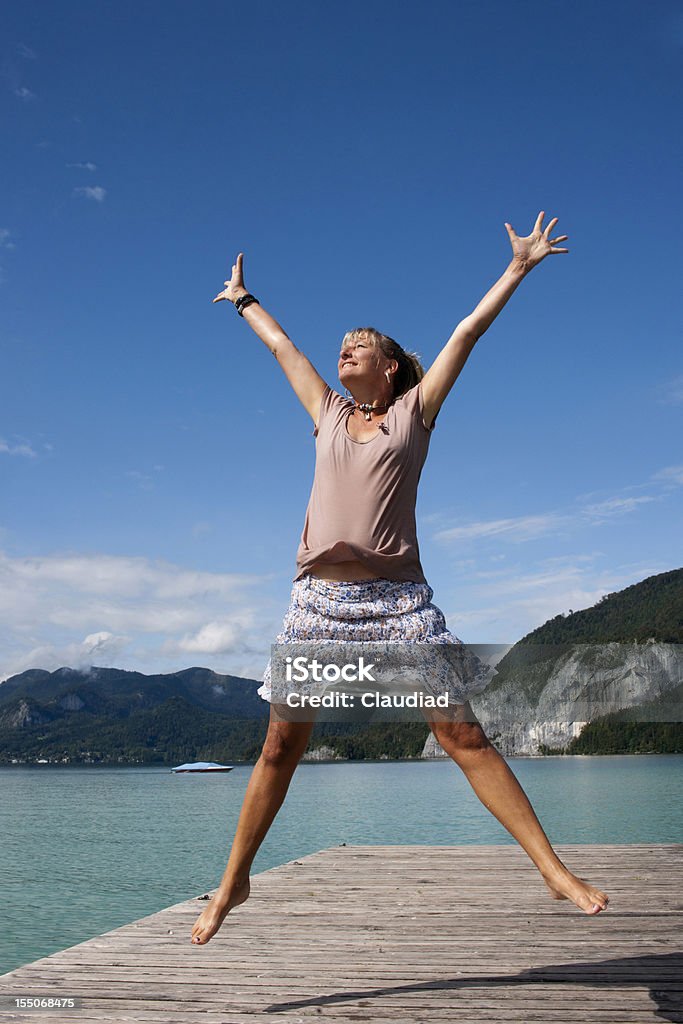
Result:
[203,766]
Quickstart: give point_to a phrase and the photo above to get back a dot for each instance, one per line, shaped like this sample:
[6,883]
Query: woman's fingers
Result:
[538,228]
[550,227]
[236,278]
[237,265]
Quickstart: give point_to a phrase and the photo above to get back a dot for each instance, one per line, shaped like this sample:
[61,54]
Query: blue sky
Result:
[154,463]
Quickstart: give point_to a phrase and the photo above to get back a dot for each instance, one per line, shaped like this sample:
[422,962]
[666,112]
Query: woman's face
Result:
[360,359]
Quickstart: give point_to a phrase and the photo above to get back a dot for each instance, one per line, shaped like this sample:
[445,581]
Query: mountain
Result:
[108,715]
[605,679]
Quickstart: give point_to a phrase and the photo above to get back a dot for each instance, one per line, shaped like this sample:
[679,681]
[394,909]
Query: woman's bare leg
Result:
[284,746]
[497,787]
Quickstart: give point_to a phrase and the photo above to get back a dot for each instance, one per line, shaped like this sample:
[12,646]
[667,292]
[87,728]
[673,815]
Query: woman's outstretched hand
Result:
[529,251]
[235,286]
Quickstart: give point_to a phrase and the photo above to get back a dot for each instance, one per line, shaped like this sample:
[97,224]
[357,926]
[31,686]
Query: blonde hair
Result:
[410,370]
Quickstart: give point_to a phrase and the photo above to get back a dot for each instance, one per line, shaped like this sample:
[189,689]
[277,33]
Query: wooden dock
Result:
[392,935]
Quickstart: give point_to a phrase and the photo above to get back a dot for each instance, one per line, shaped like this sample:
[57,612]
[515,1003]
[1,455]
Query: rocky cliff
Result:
[546,693]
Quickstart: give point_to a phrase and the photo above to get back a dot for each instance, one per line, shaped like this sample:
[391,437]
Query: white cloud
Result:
[214,638]
[103,644]
[17,449]
[672,391]
[670,474]
[145,480]
[102,649]
[614,507]
[500,602]
[144,609]
[503,609]
[95,192]
[120,576]
[26,51]
[88,166]
[519,528]
[23,93]
[5,243]
[531,527]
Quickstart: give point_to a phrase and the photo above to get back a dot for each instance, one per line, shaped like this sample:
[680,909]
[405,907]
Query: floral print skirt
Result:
[381,611]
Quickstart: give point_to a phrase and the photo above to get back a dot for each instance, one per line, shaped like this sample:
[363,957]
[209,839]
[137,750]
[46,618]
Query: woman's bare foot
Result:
[563,885]
[210,920]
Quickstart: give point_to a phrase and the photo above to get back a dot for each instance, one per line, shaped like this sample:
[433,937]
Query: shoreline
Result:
[334,760]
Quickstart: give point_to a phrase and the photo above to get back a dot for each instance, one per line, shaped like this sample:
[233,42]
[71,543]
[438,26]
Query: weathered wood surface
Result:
[393,935]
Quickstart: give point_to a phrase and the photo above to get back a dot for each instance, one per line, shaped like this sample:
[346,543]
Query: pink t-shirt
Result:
[362,505]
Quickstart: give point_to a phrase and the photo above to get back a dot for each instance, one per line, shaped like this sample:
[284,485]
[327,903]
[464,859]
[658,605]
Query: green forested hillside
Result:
[652,609]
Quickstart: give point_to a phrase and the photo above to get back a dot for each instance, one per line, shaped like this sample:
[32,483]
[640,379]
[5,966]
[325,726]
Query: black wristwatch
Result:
[244,301]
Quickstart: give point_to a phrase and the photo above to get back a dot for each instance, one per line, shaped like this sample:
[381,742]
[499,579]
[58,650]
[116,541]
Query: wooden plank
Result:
[395,934]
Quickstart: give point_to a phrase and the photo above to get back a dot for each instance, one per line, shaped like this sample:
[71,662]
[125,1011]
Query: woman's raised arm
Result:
[300,372]
[527,253]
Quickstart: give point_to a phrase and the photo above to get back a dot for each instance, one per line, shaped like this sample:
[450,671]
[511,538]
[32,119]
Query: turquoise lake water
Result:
[84,850]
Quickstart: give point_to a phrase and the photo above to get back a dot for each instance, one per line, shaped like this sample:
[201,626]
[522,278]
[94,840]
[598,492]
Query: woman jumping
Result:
[359,577]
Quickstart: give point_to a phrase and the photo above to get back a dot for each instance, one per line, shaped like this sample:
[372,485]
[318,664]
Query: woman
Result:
[359,576]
